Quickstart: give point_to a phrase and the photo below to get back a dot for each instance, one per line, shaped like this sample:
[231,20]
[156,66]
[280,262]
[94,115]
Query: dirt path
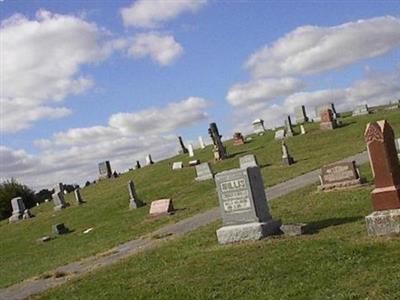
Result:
[62,274]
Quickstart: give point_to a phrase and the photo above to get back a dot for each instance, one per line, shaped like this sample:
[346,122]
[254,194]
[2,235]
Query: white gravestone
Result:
[191,151]
[78,197]
[302,129]
[149,160]
[243,206]
[134,201]
[58,200]
[201,142]
[280,134]
[204,172]
[248,161]
[18,208]
[177,165]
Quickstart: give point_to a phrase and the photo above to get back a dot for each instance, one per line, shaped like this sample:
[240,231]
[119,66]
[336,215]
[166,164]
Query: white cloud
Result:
[313,49]
[41,60]
[162,48]
[72,156]
[262,90]
[150,14]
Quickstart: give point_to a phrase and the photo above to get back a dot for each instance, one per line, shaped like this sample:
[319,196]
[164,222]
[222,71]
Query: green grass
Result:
[106,210]
[337,260]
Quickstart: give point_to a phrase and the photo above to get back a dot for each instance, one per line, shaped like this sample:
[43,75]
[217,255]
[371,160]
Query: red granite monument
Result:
[238,139]
[328,122]
[385,219]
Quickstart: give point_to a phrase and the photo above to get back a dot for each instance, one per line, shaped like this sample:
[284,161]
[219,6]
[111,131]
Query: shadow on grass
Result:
[347,123]
[236,154]
[315,227]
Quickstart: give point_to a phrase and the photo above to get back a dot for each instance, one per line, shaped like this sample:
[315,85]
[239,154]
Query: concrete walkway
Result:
[63,274]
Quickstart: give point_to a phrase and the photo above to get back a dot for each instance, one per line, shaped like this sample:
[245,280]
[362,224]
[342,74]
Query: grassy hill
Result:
[107,204]
[336,260]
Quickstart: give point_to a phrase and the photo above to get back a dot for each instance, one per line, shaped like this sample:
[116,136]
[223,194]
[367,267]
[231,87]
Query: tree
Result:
[10,189]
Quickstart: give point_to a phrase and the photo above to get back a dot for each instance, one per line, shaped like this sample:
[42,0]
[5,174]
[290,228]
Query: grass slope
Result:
[336,261]
[107,211]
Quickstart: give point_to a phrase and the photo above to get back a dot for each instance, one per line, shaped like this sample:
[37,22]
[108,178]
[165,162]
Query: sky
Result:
[86,81]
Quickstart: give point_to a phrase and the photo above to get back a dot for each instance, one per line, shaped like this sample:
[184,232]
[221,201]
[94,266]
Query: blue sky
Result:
[169,69]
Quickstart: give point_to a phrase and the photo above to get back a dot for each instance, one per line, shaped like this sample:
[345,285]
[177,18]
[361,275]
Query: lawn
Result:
[107,204]
[335,260]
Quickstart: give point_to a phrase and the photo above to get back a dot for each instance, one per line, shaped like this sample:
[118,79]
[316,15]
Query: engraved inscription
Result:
[235,196]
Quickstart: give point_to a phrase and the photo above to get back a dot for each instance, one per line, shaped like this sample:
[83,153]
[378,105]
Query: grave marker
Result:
[219,150]
[201,142]
[105,170]
[301,116]
[18,208]
[286,158]
[243,206]
[204,172]
[258,126]
[161,207]
[238,139]
[78,197]
[339,175]
[280,134]
[184,149]
[361,110]
[149,160]
[328,122]
[134,201]
[191,151]
[177,165]
[248,161]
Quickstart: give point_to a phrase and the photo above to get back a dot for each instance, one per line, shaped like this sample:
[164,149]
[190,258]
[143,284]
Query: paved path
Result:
[62,274]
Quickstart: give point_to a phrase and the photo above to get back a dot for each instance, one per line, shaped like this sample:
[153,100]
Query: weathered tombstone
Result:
[78,197]
[302,129]
[385,219]
[184,149]
[204,172]
[59,187]
[60,229]
[18,208]
[280,134]
[58,200]
[138,166]
[327,120]
[258,126]
[286,158]
[149,160]
[194,162]
[238,139]
[201,142]
[105,170]
[27,214]
[289,127]
[339,175]
[301,116]
[134,201]
[161,207]
[320,109]
[177,165]
[361,110]
[191,151]
[243,206]
[294,229]
[248,161]
[219,149]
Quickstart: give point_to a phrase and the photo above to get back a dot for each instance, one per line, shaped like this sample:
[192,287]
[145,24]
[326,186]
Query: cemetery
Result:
[326,236]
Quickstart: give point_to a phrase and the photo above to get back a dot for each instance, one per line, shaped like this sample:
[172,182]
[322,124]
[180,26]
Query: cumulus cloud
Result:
[72,156]
[150,14]
[313,49]
[162,48]
[262,90]
[41,60]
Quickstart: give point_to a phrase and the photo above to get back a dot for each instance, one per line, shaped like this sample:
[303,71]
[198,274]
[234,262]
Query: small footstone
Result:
[60,229]
[44,239]
[383,222]
[293,229]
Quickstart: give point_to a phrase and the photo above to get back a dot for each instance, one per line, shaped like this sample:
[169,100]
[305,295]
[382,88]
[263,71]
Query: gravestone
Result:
[184,149]
[58,200]
[384,162]
[201,142]
[60,229]
[27,214]
[193,163]
[219,150]
[248,161]
[243,206]
[360,110]
[105,170]
[138,166]
[324,107]
[191,151]
[288,127]
[59,187]
[302,129]
[177,165]
[149,160]
[258,126]
[393,105]
[286,158]
[204,172]
[280,134]
[301,116]
[328,122]
[18,208]
[339,175]
[161,207]
[238,139]
[78,197]
[134,201]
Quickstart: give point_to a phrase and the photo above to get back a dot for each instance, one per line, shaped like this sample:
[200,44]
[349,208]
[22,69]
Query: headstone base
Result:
[134,203]
[59,207]
[288,160]
[383,222]
[341,185]
[327,125]
[248,232]
[202,178]
[15,218]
